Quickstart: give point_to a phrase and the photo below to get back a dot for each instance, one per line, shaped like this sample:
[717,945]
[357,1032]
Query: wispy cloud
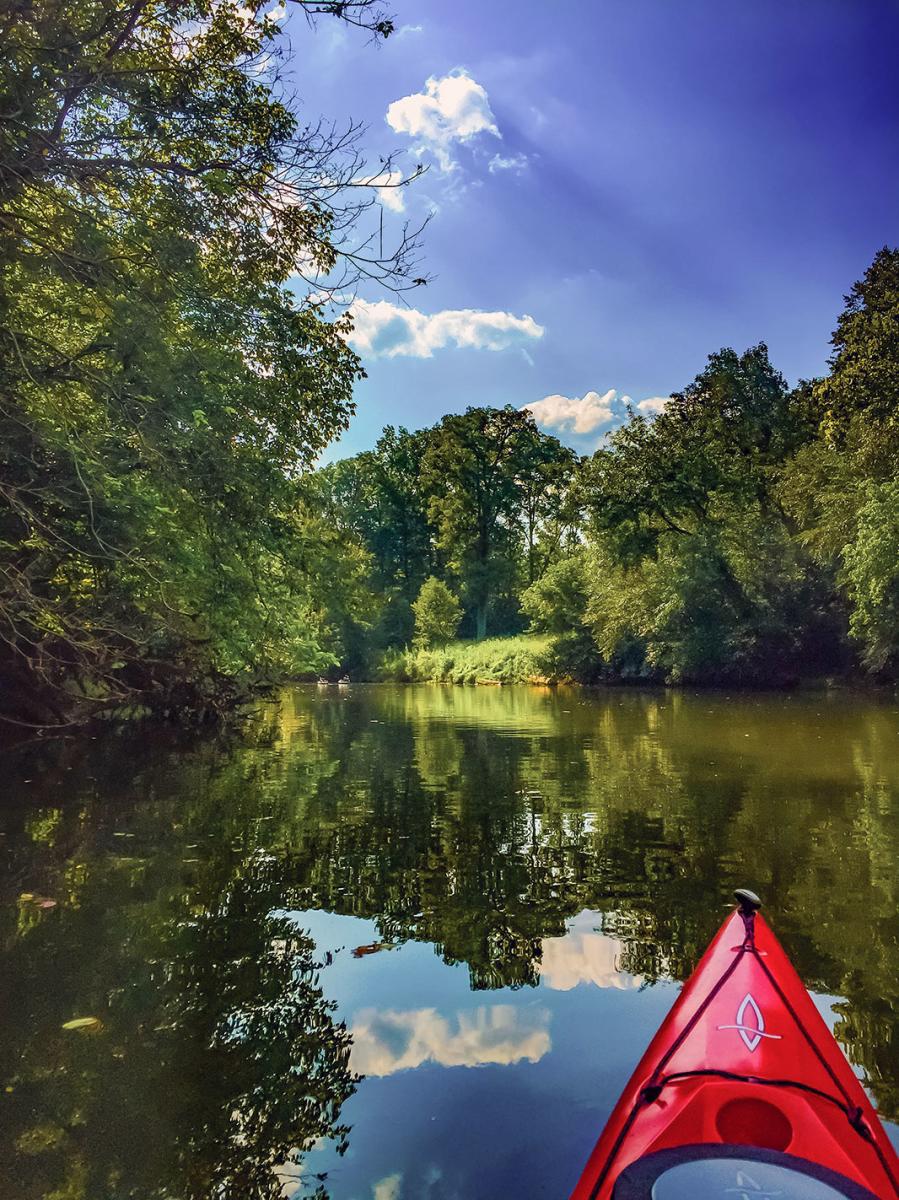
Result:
[385,330]
[389,1041]
[453,108]
[575,414]
[511,162]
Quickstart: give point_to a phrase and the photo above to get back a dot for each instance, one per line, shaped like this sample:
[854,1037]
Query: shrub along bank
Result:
[523,659]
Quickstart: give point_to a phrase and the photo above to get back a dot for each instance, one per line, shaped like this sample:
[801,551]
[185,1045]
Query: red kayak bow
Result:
[743,1093]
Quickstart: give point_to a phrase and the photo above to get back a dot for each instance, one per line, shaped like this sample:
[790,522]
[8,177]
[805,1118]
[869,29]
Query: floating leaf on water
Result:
[84,1023]
[37,900]
[374,948]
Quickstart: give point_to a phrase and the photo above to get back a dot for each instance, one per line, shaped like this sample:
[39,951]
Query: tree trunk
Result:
[481,619]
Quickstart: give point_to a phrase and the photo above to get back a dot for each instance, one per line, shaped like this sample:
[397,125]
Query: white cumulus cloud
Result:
[653,405]
[577,414]
[454,108]
[385,330]
[390,1041]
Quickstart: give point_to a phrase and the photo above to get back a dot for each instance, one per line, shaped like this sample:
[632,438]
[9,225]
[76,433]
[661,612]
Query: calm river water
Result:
[478,900]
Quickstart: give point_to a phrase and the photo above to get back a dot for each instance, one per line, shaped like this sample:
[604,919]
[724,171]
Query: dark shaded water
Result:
[478,899]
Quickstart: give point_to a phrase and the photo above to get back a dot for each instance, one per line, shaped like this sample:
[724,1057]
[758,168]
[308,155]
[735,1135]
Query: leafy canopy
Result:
[162,392]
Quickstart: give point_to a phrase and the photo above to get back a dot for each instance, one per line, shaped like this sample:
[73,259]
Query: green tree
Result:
[475,471]
[557,601]
[378,497]
[864,368]
[872,577]
[840,488]
[437,613]
[163,392]
[697,574]
[548,512]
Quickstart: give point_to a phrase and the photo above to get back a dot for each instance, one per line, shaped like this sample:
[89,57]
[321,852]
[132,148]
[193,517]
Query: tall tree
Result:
[378,497]
[548,510]
[474,470]
[718,438]
[695,570]
[161,391]
[841,488]
[864,368]
[403,542]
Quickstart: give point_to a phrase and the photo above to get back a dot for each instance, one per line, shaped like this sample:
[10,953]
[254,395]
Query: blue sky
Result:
[618,190]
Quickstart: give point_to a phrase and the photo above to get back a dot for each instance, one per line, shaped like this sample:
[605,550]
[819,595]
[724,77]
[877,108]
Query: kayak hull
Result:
[744,1059]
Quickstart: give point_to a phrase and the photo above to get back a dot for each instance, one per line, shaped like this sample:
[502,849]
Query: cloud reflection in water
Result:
[584,955]
[390,1041]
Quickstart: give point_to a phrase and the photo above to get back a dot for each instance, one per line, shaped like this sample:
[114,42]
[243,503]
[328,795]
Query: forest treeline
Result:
[749,533]
[166,543]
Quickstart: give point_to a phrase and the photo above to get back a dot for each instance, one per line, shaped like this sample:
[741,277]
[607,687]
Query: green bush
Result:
[437,614]
[522,659]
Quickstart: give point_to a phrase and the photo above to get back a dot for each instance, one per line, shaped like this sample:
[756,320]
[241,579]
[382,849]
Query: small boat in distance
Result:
[743,1093]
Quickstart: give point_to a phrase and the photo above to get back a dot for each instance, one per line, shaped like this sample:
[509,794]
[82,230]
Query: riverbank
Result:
[547,659]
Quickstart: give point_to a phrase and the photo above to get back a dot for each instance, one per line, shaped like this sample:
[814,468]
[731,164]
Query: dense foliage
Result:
[483,500]
[747,534]
[162,391]
[695,570]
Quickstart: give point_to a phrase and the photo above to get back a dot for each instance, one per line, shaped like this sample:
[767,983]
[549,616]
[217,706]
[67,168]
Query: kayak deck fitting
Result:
[743,1093]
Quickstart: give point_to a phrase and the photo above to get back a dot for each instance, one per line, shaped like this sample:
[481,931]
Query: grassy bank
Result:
[521,659]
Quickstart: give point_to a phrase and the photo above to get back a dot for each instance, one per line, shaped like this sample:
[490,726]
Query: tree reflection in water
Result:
[474,820]
[217,1063]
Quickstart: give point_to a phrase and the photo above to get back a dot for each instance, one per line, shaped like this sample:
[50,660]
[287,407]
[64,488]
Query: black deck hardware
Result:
[747,900]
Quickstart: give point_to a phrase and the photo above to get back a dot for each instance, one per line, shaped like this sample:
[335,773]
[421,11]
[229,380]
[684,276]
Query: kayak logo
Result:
[747,1188]
[751,1033]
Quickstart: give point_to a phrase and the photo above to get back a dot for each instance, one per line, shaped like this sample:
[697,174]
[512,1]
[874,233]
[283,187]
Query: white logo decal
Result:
[751,1034]
[747,1188]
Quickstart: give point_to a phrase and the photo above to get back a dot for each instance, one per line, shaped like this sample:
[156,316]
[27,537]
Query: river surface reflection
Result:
[408,943]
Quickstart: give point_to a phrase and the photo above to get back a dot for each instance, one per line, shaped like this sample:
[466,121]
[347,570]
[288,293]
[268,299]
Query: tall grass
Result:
[521,659]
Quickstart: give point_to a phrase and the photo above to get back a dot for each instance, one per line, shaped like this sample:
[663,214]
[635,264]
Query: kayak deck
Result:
[744,1065]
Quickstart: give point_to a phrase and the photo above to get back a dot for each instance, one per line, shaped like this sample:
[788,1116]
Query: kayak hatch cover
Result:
[743,1094]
